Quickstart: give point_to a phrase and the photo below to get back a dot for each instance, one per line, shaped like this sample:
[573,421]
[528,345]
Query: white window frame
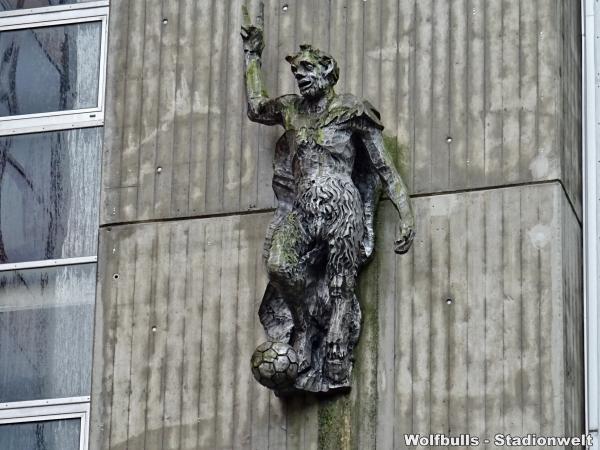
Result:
[47,410]
[50,16]
[48,263]
[93,11]
[591,203]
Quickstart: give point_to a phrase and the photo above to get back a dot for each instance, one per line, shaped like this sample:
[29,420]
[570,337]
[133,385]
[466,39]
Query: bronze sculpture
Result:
[329,168]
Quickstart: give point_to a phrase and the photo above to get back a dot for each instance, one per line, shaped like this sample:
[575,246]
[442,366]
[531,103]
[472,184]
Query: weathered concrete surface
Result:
[177,323]
[504,355]
[480,93]
[174,335]
[474,94]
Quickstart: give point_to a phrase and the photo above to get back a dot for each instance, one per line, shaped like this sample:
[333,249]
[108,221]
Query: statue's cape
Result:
[347,107]
[344,108]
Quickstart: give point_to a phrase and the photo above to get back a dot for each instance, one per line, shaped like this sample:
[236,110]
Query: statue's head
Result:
[337,361]
[315,71]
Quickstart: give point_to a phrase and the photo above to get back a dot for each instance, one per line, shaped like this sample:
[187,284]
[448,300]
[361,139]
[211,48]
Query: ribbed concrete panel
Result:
[479,327]
[573,304]
[513,323]
[175,330]
[476,330]
[475,93]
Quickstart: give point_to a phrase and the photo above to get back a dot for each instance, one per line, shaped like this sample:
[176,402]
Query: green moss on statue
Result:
[284,240]
[399,154]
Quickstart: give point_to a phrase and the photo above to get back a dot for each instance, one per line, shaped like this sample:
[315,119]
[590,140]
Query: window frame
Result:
[591,207]
[94,11]
[45,263]
[48,410]
[97,11]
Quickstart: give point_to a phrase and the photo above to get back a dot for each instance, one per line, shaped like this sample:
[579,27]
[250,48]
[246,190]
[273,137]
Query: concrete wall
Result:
[500,78]
[179,323]
[481,100]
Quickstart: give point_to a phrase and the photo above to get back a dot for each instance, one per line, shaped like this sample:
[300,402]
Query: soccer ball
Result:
[275,365]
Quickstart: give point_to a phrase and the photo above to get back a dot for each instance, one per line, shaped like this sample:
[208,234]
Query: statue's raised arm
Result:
[261,108]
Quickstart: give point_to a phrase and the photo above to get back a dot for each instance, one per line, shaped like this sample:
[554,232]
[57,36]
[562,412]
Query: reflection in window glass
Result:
[48,69]
[46,322]
[7,5]
[60,434]
[49,193]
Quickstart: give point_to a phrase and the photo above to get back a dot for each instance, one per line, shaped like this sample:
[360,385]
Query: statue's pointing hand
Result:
[405,236]
[253,35]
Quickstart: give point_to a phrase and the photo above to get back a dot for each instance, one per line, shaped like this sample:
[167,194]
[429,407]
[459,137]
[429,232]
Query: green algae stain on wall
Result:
[400,155]
[349,421]
[335,424]
[365,376]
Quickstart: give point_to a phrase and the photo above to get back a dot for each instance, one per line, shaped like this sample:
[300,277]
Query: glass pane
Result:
[7,5]
[49,435]
[46,323]
[49,68]
[49,194]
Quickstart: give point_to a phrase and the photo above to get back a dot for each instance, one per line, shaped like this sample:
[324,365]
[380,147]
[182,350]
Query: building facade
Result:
[52,78]
[478,330]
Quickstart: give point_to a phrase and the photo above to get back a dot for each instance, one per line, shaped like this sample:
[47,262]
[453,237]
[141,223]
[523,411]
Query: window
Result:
[49,195]
[52,70]
[7,5]
[45,424]
[52,77]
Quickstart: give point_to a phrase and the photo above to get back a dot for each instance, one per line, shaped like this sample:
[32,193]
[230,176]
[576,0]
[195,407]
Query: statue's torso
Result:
[315,159]
[322,146]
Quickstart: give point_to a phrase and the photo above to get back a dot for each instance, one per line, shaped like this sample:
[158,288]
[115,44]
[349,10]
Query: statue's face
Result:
[337,362]
[310,76]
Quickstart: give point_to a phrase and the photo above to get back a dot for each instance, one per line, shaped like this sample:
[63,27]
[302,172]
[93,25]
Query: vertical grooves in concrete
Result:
[122,355]
[193,321]
[570,88]
[183,117]
[140,338]
[200,92]
[458,106]
[148,118]
[574,402]
[175,343]
[459,327]
[458,319]
[129,121]
[225,380]
[512,301]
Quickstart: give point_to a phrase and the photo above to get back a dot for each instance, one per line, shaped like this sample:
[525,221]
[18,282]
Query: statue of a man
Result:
[329,166]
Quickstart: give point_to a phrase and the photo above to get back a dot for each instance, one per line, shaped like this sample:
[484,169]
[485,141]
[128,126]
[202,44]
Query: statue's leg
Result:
[344,324]
[284,259]
[287,272]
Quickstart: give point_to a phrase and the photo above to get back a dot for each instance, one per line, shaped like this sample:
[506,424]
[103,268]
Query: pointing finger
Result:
[246,22]
[260,19]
